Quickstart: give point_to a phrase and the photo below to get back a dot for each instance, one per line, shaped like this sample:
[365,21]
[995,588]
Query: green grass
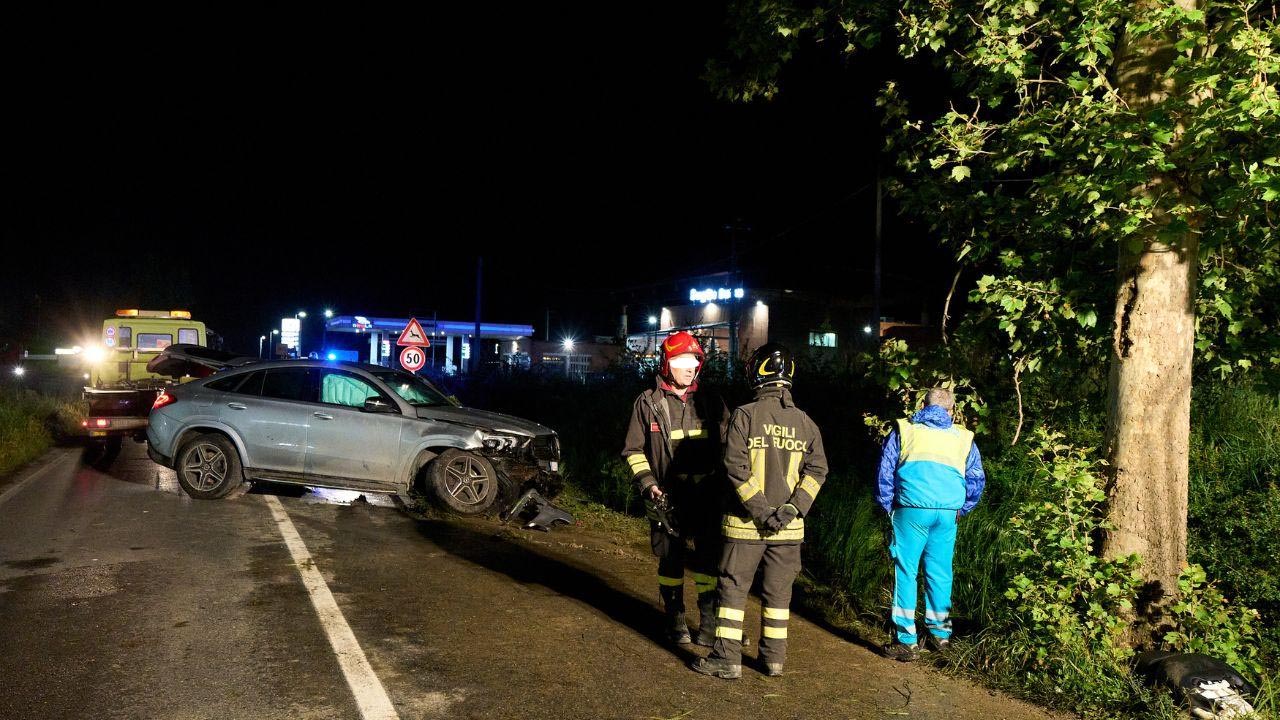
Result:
[31,423]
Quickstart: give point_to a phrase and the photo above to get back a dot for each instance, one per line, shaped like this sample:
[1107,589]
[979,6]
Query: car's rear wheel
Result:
[463,482]
[208,467]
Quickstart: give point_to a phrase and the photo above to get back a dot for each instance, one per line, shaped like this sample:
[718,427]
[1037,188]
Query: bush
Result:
[1067,610]
[1206,623]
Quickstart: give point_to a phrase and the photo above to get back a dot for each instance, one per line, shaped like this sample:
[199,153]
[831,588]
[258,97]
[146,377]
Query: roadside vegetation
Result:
[30,423]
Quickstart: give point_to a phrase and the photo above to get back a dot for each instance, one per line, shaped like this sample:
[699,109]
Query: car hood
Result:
[484,420]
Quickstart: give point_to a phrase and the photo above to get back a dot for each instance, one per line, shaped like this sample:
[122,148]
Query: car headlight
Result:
[500,443]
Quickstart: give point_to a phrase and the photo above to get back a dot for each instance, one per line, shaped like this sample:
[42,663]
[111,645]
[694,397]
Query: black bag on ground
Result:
[1212,688]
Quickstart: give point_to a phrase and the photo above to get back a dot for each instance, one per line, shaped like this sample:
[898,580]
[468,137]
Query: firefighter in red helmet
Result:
[673,449]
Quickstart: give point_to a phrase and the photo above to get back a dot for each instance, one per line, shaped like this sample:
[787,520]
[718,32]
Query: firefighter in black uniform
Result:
[776,465]
[674,446]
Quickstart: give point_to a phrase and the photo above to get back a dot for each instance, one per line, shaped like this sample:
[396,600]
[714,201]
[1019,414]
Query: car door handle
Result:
[237,406]
[322,416]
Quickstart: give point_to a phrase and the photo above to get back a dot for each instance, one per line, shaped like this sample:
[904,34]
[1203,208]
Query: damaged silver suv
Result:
[343,425]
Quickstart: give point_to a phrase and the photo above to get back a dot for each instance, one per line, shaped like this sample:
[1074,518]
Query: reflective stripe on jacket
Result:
[931,466]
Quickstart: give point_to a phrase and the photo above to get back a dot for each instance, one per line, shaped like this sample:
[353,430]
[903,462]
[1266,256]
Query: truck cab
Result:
[121,388]
[132,338]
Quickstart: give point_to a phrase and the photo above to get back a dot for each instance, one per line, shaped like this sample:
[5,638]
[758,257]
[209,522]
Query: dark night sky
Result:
[250,166]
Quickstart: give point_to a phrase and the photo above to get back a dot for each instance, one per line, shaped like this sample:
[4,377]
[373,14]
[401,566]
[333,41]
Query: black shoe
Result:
[902,652]
[715,667]
[773,669]
[938,644]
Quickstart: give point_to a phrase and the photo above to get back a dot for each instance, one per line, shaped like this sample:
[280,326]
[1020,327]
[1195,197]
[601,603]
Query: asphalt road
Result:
[120,597]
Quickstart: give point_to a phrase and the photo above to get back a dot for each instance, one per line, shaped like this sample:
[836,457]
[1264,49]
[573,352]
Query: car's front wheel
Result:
[208,467]
[463,482]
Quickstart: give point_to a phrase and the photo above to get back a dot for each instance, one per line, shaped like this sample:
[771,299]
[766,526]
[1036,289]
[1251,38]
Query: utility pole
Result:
[734,302]
[875,292]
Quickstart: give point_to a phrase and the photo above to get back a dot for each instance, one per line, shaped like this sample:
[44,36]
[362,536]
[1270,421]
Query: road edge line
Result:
[370,695]
[17,485]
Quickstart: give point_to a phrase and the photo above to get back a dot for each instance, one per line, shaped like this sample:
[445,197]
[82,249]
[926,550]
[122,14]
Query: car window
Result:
[413,389]
[242,383]
[252,384]
[226,384]
[340,388]
[290,384]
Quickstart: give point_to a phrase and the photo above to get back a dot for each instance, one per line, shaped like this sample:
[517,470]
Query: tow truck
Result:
[122,387]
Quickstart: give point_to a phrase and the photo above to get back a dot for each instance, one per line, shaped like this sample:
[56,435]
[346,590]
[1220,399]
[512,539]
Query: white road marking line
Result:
[370,696]
[14,488]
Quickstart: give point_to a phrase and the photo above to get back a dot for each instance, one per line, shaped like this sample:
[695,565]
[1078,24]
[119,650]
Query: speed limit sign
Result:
[412,358]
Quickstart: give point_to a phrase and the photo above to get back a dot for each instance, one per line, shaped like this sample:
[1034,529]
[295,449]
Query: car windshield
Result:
[413,389]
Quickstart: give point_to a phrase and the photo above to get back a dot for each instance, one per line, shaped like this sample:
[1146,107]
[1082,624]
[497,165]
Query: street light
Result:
[567,344]
[300,315]
[274,333]
[261,339]
[324,330]
[19,371]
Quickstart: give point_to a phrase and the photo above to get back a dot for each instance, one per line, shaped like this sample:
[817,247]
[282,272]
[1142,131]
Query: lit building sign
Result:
[290,328]
[714,294]
[361,323]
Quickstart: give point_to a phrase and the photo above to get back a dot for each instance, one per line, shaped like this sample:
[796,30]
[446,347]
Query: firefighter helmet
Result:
[680,343]
[771,364]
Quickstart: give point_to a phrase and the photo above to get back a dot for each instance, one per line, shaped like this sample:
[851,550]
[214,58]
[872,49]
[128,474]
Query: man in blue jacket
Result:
[930,476]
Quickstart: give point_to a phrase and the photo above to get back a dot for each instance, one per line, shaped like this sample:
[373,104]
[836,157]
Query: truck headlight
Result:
[94,355]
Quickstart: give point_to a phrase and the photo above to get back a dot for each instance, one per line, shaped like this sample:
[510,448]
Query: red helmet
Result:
[679,343]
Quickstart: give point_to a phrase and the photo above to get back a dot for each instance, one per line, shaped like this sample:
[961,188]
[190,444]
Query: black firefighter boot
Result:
[676,628]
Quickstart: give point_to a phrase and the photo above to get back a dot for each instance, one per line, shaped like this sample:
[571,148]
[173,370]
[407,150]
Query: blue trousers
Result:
[931,535]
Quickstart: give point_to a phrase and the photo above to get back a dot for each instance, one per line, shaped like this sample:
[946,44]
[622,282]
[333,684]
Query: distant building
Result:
[573,357]
[804,321]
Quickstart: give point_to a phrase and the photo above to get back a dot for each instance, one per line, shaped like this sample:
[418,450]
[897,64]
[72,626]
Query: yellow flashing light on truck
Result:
[174,314]
[132,338]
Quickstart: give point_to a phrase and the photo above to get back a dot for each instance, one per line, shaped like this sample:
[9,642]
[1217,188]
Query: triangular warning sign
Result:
[413,335]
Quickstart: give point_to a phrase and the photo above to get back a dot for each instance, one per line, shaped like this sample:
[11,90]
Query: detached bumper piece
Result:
[536,512]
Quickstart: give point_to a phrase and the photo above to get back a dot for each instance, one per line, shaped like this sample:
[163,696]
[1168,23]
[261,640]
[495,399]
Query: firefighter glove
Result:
[781,517]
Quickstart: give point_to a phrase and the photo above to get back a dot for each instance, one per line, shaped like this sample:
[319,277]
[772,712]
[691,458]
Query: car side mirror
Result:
[376,404]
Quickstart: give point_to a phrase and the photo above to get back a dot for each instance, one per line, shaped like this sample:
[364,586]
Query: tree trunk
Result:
[1149,392]
[1149,411]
